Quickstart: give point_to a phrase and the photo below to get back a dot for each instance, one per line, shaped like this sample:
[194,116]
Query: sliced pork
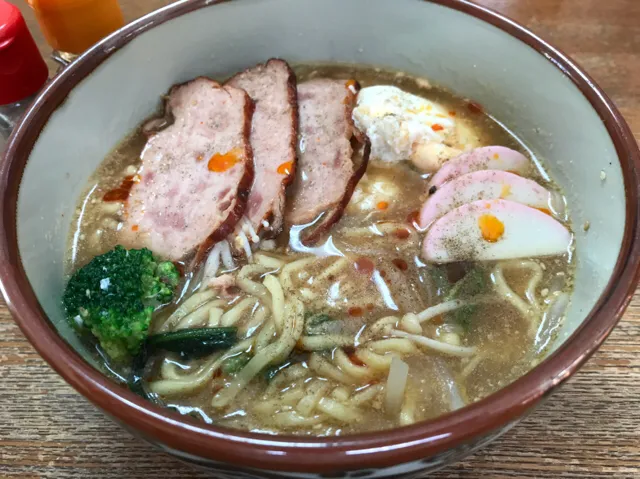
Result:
[196,173]
[274,133]
[327,173]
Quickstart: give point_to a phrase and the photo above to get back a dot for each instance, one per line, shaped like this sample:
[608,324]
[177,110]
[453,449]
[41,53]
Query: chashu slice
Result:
[196,173]
[328,169]
[274,134]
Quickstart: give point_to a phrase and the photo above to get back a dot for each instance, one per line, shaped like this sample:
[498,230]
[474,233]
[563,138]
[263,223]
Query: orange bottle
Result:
[72,26]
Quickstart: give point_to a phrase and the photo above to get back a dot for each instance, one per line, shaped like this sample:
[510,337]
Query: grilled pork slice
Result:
[274,133]
[327,169]
[196,173]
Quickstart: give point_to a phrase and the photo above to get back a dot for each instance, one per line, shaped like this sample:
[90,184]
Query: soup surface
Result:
[363,327]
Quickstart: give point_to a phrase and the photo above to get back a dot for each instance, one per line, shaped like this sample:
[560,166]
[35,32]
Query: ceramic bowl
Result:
[529,86]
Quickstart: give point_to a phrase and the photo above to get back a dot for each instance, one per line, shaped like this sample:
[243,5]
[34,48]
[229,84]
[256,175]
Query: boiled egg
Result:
[374,192]
[402,126]
[494,230]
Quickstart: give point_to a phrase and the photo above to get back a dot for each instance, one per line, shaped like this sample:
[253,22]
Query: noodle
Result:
[232,316]
[366,394]
[348,367]
[341,412]
[530,309]
[257,320]
[397,345]
[293,419]
[199,316]
[324,368]
[439,309]
[189,383]
[274,353]
[315,391]
[195,301]
[269,261]
[441,347]
[323,342]
[214,317]
[332,328]
[378,362]
[277,301]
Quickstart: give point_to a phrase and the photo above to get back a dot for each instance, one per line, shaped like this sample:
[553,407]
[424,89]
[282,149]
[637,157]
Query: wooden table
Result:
[589,429]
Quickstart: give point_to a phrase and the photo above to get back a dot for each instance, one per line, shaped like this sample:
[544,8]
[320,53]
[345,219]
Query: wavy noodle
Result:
[291,397]
[324,342]
[530,309]
[348,367]
[341,394]
[381,230]
[377,362]
[295,267]
[341,412]
[214,317]
[266,335]
[269,261]
[232,316]
[289,419]
[286,377]
[395,345]
[277,301]
[408,410]
[445,348]
[441,308]
[169,369]
[252,287]
[186,383]
[257,320]
[316,390]
[410,323]
[199,316]
[381,326]
[366,394]
[324,368]
[334,269]
[274,353]
[191,304]
[189,383]
[471,366]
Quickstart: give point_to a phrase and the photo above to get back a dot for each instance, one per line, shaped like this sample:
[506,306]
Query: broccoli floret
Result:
[114,297]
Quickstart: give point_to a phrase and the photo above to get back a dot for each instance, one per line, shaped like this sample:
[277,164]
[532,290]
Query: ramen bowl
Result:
[526,84]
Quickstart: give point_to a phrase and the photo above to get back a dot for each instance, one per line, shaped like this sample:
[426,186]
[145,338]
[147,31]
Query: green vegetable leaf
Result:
[234,364]
[474,283]
[313,321]
[195,342]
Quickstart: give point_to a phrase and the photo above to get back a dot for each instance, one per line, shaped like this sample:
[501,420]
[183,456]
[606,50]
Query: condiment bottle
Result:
[22,70]
[72,26]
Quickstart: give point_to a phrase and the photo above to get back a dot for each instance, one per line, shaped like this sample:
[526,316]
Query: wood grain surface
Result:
[588,429]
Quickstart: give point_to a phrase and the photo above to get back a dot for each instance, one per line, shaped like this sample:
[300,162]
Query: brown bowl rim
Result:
[301,454]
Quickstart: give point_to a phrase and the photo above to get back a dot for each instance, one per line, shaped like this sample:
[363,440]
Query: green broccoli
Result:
[114,297]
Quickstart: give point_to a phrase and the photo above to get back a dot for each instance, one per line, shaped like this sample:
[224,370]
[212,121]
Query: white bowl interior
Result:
[516,84]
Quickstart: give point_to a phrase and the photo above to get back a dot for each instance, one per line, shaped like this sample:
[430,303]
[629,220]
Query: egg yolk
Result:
[491,228]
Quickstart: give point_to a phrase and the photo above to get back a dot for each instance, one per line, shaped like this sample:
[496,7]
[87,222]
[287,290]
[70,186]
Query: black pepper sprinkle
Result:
[432,190]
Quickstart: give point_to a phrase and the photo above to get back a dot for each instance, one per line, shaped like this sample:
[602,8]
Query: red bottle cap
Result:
[22,69]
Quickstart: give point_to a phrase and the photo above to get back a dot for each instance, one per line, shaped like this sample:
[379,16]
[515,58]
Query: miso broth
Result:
[356,304]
